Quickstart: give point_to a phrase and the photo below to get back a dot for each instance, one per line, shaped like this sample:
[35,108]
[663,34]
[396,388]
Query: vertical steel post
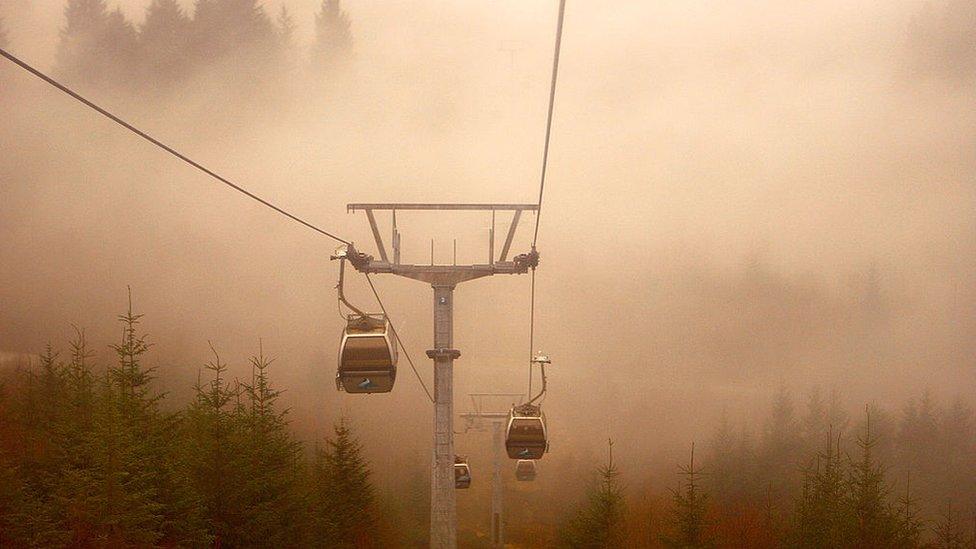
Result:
[443,507]
[497,516]
[443,279]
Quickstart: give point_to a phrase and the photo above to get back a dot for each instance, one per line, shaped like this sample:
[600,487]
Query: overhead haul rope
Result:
[396,334]
[542,179]
[88,103]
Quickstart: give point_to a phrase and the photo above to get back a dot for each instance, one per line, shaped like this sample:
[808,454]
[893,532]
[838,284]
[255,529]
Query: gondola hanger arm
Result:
[341,255]
[542,360]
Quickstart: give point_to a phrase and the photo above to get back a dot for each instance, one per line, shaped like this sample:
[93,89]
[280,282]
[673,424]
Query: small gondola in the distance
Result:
[526,436]
[462,473]
[525,470]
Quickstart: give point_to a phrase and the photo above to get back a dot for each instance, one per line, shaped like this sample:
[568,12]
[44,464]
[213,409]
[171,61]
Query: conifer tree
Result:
[726,481]
[11,505]
[781,446]
[285,28]
[215,448]
[273,469]
[918,435]
[813,425]
[236,31]
[97,46]
[689,510]
[288,52]
[333,38]
[126,506]
[163,43]
[343,496]
[74,435]
[26,517]
[600,523]
[948,532]
[115,498]
[42,470]
[872,522]
[80,380]
[820,514]
[909,524]
[958,452]
[124,487]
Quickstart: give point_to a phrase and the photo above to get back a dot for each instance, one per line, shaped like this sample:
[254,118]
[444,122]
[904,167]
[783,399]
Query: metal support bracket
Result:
[443,354]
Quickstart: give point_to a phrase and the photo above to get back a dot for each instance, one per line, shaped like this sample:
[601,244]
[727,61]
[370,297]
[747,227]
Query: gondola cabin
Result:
[462,474]
[525,437]
[525,470]
[367,355]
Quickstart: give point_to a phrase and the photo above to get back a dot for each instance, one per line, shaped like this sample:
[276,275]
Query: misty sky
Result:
[725,180]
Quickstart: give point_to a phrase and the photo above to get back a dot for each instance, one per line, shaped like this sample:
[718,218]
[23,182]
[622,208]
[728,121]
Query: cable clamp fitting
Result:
[358,259]
[524,262]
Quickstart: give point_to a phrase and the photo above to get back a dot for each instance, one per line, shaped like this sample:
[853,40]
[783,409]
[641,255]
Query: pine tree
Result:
[689,510]
[918,436]
[343,497]
[80,381]
[97,46]
[11,505]
[947,530]
[813,425]
[958,452]
[237,31]
[781,444]
[215,451]
[26,517]
[285,26]
[727,481]
[74,434]
[820,514]
[115,497]
[163,43]
[123,486]
[600,523]
[333,38]
[273,469]
[126,444]
[288,52]
[872,521]
[50,416]
[129,377]
[909,524]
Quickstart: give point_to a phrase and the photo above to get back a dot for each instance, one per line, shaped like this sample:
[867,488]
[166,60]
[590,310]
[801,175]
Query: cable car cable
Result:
[162,145]
[396,334]
[542,178]
[552,98]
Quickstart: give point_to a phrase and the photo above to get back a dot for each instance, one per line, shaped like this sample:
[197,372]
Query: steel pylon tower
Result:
[443,279]
[498,419]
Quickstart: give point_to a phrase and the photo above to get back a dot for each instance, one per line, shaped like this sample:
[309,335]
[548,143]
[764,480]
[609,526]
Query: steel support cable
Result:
[552,99]
[162,145]
[542,177]
[396,334]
